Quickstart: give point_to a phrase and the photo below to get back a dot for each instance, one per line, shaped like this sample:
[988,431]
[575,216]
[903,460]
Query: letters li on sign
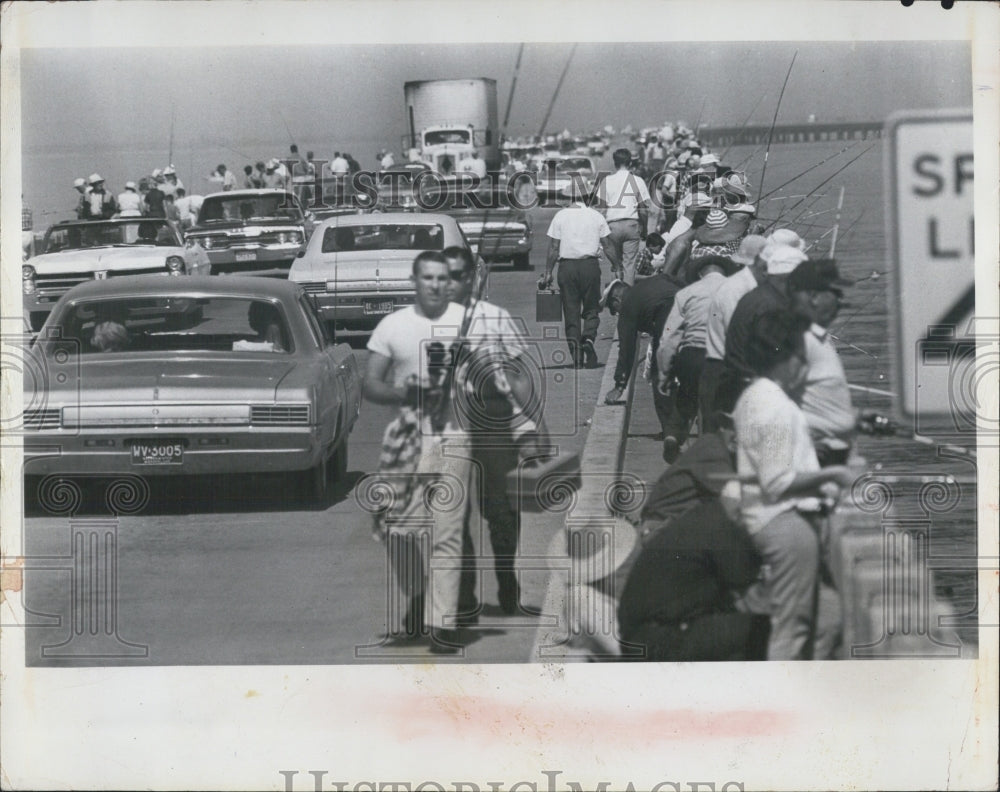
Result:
[930,235]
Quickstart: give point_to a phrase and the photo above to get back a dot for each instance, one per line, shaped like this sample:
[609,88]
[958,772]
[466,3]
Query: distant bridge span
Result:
[789,133]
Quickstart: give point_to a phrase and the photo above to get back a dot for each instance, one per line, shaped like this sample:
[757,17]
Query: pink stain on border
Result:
[478,717]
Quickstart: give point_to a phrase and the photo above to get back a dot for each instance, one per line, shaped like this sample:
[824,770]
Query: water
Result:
[862,329]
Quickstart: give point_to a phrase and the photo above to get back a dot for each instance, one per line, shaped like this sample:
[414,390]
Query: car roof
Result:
[249,193]
[385,218]
[209,285]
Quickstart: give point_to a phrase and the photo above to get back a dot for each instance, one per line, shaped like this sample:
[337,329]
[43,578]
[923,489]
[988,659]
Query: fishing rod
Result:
[774,121]
[555,95]
[746,121]
[838,171]
[810,168]
[836,227]
[749,157]
[700,112]
[287,129]
[513,84]
[173,118]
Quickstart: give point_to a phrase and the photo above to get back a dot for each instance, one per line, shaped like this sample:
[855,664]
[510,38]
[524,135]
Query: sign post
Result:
[930,235]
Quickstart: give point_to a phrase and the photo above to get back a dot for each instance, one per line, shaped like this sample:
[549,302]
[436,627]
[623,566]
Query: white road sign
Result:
[929,188]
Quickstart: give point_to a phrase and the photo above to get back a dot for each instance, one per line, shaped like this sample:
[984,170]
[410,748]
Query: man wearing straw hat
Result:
[583,558]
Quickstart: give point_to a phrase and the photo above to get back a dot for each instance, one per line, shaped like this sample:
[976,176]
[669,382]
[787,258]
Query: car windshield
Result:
[243,208]
[440,136]
[124,325]
[573,164]
[394,236]
[77,236]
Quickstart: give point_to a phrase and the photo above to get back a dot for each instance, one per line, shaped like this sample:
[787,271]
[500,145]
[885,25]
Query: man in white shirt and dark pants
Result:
[627,200]
[575,236]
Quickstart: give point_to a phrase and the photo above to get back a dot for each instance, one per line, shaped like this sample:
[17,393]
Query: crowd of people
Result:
[732,559]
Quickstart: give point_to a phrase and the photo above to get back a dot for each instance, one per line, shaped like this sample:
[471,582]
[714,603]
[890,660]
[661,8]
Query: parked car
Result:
[200,375]
[76,251]
[555,174]
[357,267]
[497,230]
[252,232]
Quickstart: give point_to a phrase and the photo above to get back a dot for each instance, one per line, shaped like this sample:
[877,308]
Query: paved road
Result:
[239,571]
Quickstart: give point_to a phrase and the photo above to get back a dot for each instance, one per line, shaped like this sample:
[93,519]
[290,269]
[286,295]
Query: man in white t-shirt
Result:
[473,164]
[627,200]
[575,236]
[423,453]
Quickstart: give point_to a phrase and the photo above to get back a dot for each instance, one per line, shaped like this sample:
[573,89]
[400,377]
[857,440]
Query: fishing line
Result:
[811,168]
[555,94]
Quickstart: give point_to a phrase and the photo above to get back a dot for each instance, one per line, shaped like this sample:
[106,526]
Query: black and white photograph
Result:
[541,397]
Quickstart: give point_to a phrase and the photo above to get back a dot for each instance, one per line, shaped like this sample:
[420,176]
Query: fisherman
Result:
[171,183]
[651,257]
[249,180]
[80,185]
[387,160]
[678,603]
[100,204]
[129,201]
[406,368]
[817,292]
[640,309]
[783,490]
[751,273]
[626,199]
[719,235]
[576,234]
[681,351]
[497,404]
[224,176]
[188,207]
[273,180]
[154,198]
[696,208]
[260,175]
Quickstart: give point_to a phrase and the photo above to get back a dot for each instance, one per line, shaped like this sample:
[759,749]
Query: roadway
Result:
[242,570]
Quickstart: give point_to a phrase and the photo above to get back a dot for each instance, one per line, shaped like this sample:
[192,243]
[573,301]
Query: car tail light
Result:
[175,265]
[28,279]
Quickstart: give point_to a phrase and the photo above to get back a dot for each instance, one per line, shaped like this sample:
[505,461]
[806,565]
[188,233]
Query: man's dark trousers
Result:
[580,287]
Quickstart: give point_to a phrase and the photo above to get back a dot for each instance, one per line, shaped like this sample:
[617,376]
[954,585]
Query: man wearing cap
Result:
[80,185]
[272,178]
[640,309]
[129,202]
[681,351]
[751,273]
[575,236]
[627,200]
[100,204]
[816,292]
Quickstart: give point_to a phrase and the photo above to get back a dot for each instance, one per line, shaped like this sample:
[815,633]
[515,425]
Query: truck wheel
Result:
[522,262]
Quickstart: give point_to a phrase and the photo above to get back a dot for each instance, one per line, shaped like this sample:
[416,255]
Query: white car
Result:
[556,174]
[356,268]
[81,250]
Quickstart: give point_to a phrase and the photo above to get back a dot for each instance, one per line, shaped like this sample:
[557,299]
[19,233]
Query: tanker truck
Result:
[448,119]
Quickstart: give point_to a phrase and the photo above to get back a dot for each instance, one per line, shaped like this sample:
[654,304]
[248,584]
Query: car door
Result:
[340,390]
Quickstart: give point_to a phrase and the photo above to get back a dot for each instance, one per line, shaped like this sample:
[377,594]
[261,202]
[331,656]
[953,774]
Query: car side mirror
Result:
[300,254]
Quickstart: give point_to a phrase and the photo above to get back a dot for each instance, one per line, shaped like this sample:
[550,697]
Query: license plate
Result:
[379,306]
[157,453]
[248,255]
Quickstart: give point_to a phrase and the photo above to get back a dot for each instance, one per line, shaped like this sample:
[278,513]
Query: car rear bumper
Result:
[358,309]
[205,451]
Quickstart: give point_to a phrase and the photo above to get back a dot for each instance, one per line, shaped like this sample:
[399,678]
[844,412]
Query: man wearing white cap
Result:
[724,301]
[80,185]
[627,200]
[99,203]
[129,201]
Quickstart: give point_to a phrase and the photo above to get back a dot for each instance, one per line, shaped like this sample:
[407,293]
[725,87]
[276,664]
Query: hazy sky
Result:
[242,97]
